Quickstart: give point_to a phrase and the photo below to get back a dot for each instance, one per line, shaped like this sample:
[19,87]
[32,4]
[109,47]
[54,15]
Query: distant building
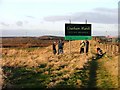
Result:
[108,38]
[112,39]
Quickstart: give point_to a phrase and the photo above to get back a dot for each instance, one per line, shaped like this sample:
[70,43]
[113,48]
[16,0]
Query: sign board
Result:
[78,32]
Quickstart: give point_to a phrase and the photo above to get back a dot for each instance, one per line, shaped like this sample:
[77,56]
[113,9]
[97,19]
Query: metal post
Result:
[85,45]
[69,46]
[86,21]
[69,40]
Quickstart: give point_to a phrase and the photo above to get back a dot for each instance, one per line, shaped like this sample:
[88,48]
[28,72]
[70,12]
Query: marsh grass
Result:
[57,71]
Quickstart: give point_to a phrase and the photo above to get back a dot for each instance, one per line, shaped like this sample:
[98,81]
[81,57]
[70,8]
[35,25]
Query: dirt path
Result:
[1,79]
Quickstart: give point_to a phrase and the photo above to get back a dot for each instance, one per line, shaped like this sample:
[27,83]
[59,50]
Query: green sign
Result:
[78,37]
[78,32]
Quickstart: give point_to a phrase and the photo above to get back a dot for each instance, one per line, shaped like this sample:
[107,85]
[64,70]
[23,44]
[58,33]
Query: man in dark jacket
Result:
[82,45]
[54,48]
[87,46]
[60,47]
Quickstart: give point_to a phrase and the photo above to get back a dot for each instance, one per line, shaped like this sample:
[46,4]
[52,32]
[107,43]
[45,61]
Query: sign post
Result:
[78,32]
[70,42]
[69,46]
[86,21]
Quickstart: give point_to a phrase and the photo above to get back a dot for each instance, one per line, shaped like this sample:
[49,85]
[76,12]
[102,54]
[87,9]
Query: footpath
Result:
[1,78]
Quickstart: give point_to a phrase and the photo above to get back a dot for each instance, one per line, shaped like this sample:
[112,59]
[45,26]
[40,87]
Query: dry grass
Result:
[17,57]
[60,67]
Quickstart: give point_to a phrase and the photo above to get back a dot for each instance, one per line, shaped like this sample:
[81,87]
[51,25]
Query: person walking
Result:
[54,48]
[87,46]
[60,47]
[82,45]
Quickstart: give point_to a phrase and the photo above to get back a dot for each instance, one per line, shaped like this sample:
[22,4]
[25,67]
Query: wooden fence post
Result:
[105,47]
[117,49]
[112,49]
[108,48]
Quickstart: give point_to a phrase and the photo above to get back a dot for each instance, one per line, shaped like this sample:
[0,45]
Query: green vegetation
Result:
[104,78]
[26,78]
[96,76]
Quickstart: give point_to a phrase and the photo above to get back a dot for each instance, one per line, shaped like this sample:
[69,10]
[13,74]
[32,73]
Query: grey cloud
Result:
[57,18]
[4,24]
[19,23]
[98,15]
[106,10]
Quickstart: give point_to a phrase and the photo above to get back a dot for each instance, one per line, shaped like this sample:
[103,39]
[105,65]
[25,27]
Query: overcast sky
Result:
[48,17]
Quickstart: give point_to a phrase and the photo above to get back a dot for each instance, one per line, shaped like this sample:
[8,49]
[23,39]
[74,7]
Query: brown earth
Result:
[42,41]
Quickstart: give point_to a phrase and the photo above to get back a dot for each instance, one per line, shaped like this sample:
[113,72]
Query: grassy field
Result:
[38,68]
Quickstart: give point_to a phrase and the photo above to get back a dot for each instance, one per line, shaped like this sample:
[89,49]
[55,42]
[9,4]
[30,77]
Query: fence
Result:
[110,48]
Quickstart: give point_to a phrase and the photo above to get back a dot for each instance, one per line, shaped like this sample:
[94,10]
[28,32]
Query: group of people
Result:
[84,48]
[60,47]
[84,45]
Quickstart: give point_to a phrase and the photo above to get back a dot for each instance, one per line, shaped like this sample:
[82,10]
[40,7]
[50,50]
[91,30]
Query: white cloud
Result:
[61,1]
[32,17]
